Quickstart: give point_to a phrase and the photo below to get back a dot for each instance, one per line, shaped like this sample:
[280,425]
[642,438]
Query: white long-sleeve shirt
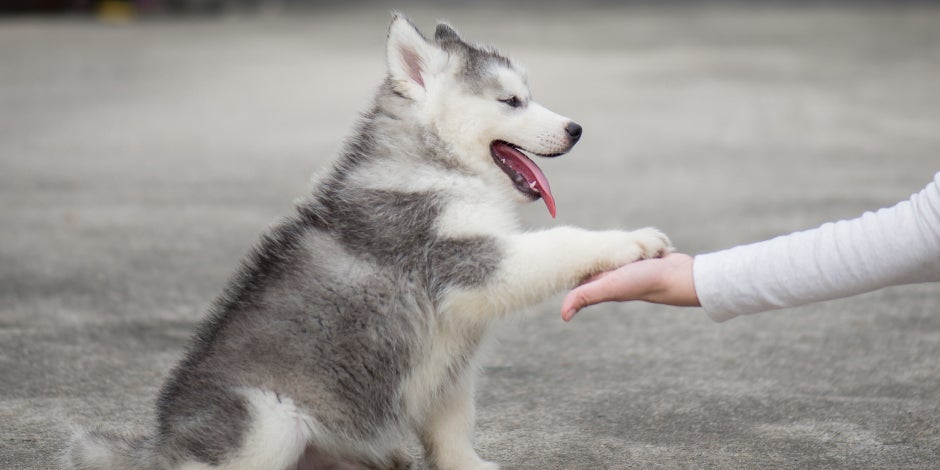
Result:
[896,245]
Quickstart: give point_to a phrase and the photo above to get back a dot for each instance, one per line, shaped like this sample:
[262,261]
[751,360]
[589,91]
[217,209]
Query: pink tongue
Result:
[528,169]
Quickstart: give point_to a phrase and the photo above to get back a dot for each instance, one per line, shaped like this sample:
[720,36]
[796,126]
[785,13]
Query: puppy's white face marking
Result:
[492,121]
[503,110]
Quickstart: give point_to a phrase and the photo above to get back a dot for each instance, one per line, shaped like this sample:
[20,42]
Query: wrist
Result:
[676,284]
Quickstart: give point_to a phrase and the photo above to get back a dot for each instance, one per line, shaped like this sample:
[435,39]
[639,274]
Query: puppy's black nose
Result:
[573,130]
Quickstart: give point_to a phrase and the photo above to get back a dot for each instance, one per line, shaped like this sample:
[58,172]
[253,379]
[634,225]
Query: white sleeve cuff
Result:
[722,298]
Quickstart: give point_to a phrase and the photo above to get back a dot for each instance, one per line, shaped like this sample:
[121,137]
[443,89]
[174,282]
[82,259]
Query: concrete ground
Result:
[139,162]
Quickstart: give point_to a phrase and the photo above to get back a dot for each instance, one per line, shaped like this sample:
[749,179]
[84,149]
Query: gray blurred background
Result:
[145,145]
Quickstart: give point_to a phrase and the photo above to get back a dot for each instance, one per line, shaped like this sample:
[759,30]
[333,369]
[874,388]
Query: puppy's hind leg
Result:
[314,459]
[277,435]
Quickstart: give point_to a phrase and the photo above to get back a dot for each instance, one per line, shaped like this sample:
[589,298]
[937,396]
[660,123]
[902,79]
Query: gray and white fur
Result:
[356,321]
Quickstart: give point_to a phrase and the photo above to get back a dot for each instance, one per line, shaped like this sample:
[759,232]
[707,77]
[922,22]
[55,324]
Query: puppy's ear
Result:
[412,60]
[445,33]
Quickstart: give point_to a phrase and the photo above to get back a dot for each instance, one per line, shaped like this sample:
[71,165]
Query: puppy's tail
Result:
[99,450]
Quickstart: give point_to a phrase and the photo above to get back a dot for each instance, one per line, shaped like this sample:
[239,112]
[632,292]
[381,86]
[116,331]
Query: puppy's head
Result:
[479,103]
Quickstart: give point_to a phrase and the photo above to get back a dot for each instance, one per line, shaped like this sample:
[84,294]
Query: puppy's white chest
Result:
[447,361]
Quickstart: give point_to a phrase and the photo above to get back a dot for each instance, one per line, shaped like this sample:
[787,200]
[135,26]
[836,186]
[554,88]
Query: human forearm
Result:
[892,246]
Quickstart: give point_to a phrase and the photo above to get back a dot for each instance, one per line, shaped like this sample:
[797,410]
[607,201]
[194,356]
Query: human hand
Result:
[667,280]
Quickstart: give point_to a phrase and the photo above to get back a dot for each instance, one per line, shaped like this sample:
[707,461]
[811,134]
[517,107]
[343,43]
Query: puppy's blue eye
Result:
[512,102]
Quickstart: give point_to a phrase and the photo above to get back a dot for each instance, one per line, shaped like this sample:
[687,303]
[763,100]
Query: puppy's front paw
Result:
[467,464]
[484,465]
[652,243]
[627,247]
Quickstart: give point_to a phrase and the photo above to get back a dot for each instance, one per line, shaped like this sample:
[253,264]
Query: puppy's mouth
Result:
[524,173]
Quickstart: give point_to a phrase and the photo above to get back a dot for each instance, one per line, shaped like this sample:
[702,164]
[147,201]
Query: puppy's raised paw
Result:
[652,243]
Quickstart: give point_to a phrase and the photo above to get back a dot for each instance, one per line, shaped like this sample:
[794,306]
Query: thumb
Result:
[592,292]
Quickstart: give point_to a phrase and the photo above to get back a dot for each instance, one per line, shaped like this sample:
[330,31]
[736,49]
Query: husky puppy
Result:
[354,324]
